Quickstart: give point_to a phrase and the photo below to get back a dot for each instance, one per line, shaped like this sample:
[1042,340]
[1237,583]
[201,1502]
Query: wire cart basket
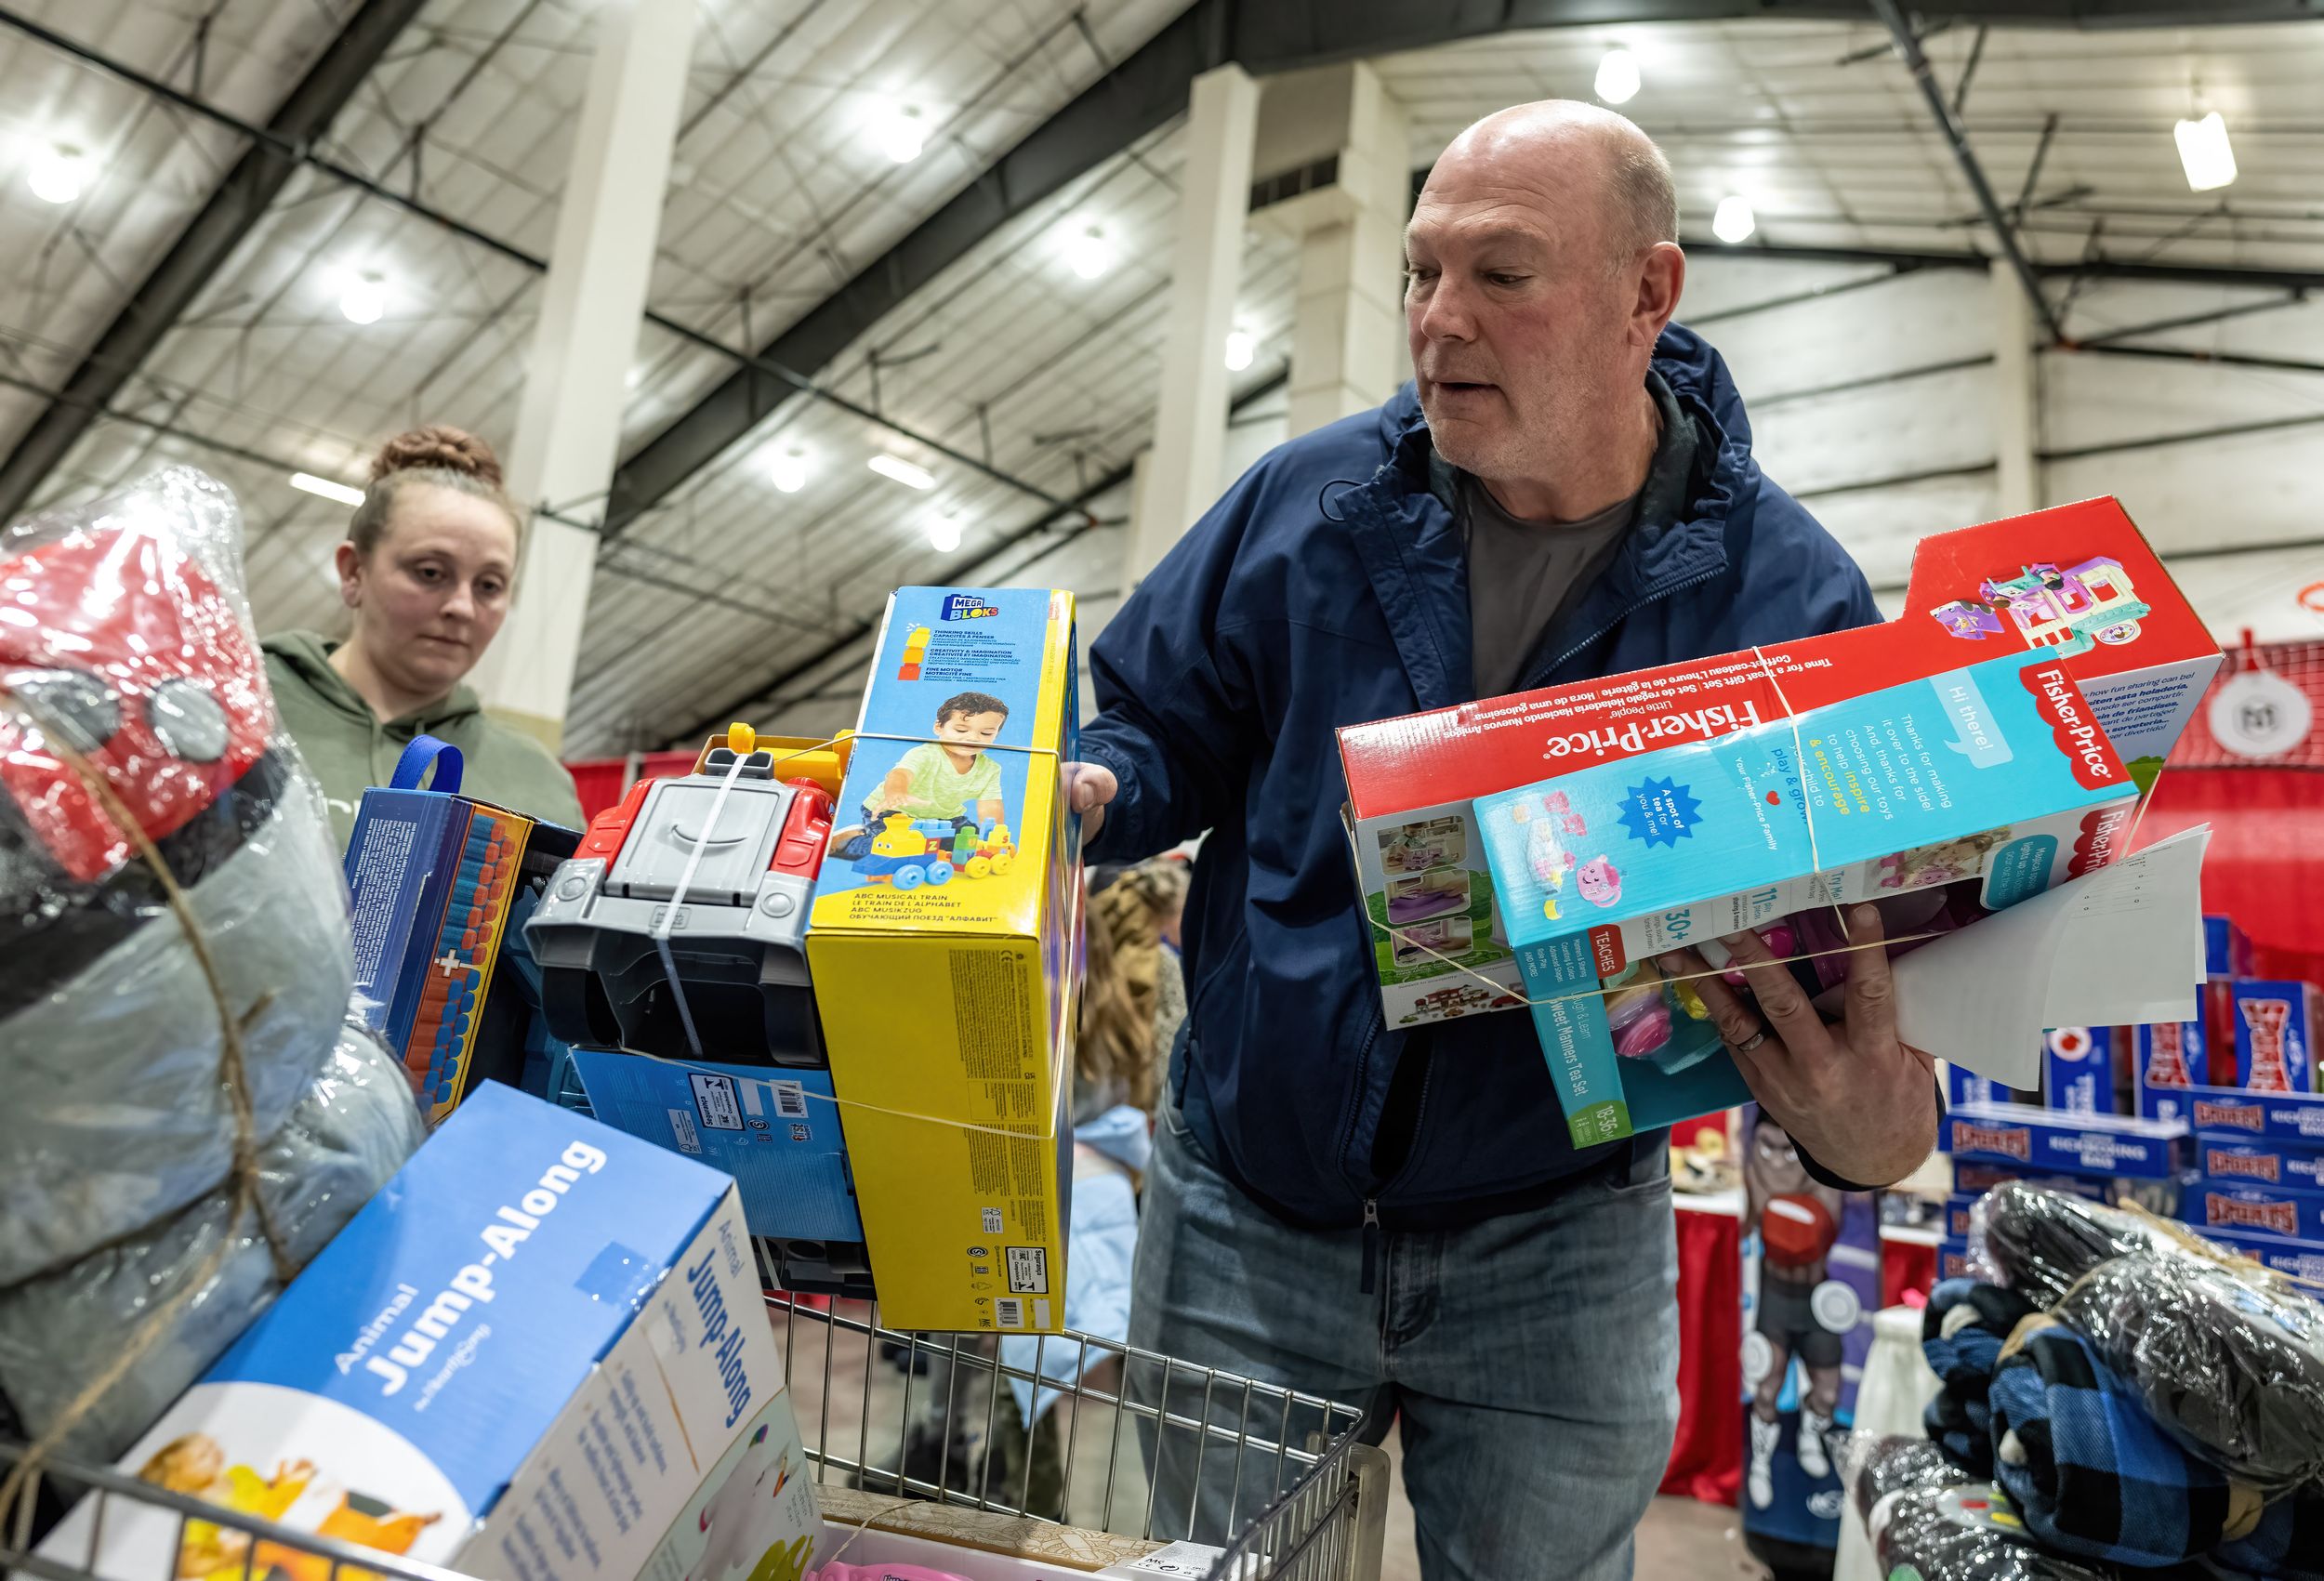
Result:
[1121,1440]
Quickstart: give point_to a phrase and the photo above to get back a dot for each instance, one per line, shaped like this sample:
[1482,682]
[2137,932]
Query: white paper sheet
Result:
[2118,947]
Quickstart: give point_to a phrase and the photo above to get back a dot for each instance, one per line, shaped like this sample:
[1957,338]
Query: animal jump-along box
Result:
[2269,1210]
[944,944]
[2267,1163]
[2276,1025]
[2038,1139]
[2076,583]
[1913,785]
[520,1360]
[754,1518]
[431,875]
[2078,1067]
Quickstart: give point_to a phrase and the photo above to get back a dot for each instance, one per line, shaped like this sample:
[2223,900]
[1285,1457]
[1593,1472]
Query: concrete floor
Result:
[855,1407]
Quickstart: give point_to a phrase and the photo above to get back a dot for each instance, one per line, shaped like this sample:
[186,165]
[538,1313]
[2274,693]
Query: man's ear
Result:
[1661,279]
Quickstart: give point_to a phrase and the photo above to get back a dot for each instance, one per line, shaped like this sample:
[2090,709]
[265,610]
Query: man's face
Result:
[973,730]
[1518,322]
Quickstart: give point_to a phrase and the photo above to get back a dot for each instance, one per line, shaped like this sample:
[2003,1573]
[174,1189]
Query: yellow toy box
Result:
[944,944]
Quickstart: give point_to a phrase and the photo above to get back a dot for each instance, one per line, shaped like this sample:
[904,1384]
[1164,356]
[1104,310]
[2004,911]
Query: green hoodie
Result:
[349,750]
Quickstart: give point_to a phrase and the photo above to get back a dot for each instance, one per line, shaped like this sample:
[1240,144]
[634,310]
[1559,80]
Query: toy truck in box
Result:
[2077,584]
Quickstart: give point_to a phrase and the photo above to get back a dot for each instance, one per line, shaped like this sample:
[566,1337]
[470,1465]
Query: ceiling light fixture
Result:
[903,471]
[328,488]
[788,470]
[1241,347]
[2206,153]
[1617,76]
[901,133]
[1733,222]
[943,533]
[1090,254]
[56,173]
[363,298]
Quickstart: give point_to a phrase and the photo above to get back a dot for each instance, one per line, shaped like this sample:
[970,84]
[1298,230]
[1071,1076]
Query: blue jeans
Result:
[1532,1360]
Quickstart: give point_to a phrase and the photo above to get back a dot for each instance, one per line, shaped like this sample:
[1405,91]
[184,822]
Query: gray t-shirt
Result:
[1523,575]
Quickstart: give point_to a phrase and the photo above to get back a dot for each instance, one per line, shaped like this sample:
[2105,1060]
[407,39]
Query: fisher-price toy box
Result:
[520,1360]
[945,943]
[2077,584]
[1847,795]
[432,877]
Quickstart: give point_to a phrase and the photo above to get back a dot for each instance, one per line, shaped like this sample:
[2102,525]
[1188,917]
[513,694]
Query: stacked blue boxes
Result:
[2260,1183]
[2105,1157]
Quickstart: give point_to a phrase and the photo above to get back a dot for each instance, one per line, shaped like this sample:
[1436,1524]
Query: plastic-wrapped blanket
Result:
[1965,1532]
[352,1129]
[2232,1366]
[2093,1475]
[1961,1335]
[2039,1243]
[1878,1467]
[129,643]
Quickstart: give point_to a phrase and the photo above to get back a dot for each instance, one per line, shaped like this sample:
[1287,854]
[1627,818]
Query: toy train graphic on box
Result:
[909,852]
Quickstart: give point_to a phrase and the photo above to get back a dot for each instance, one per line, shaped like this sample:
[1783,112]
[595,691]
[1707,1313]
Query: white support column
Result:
[568,420]
[1206,267]
[2016,397]
[1347,336]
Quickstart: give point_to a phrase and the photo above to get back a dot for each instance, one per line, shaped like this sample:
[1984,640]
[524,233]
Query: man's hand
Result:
[1088,787]
[1862,1104]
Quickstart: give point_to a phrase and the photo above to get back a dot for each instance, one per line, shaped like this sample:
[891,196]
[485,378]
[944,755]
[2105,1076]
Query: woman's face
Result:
[432,593]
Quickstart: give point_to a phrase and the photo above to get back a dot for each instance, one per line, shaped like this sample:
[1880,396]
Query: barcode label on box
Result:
[1008,1312]
[681,1125]
[992,1221]
[1028,1270]
[716,1101]
[790,1100]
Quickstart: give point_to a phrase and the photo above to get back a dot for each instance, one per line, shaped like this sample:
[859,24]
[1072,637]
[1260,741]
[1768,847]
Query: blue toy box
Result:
[2266,1210]
[2276,1025]
[2079,1066]
[2170,1060]
[776,1131]
[2044,1140]
[1952,1260]
[2270,1164]
[2302,1259]
[519,1360]
[2226,951]
[1964,1085]
[1992,769]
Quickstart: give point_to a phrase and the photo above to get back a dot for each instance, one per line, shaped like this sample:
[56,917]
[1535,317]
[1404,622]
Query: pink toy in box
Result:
[2076,582]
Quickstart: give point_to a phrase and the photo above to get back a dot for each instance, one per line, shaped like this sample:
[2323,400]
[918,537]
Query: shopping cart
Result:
[1123,1440]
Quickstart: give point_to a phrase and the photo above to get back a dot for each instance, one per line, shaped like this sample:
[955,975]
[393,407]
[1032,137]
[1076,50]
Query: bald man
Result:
[1394,1218]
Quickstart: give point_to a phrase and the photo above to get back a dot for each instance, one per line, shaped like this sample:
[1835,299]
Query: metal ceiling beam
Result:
[954,576]
[229,215]
[1146,90]
[1917,60]
[1906,260]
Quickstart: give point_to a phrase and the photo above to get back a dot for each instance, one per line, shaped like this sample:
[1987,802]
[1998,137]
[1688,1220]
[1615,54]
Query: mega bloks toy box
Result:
[944,943]
[520,1360]
[432,876]
[2077,584]
[1835,796]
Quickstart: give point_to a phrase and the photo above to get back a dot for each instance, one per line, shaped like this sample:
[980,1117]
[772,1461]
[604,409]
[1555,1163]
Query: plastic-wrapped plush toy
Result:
[128,646]
[349,1132]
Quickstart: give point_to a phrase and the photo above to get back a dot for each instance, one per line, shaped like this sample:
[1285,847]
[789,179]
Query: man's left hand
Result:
[1860,1102]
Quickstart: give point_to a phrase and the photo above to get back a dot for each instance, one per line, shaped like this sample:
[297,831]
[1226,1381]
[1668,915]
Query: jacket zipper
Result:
[1372,1246]
[1654,598]
[1372,1232]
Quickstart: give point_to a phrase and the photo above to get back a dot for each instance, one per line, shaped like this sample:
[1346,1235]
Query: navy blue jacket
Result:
[1327,588]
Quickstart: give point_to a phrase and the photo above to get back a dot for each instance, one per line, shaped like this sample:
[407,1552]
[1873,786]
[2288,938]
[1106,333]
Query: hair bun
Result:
[438,445]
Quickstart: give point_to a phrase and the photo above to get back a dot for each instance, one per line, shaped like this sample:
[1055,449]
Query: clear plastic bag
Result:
[2039,1242]
[1890,1463]
[352,1129]
[2232,1366]
[127,637]
[1965,1532]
